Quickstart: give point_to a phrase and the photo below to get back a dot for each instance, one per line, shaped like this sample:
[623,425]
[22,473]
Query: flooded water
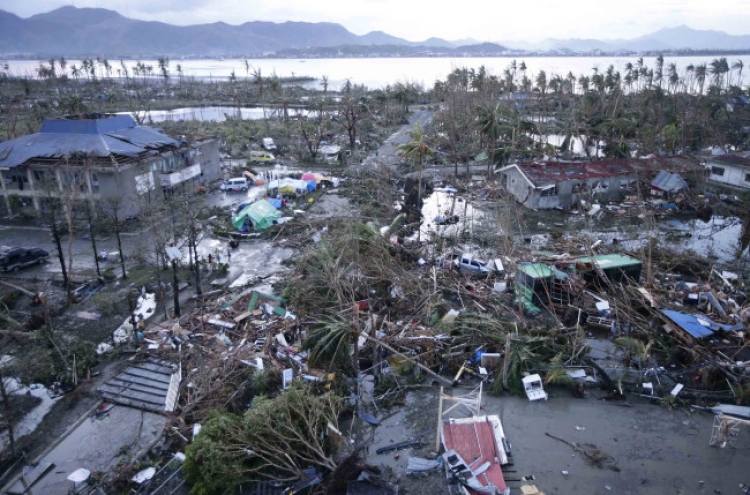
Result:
[443,205]
[379,72]
[218,114]
[718,238]
[656,451]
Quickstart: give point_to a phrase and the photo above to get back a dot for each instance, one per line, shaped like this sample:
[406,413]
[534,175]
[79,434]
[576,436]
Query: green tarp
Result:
[261,214]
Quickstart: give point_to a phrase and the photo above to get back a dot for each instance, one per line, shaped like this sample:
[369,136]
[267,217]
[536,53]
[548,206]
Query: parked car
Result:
[13,258]
[268,144]
[237,184]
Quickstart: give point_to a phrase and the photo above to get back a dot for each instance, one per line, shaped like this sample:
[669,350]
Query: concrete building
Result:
[99,157]
[563,184]
[730,170]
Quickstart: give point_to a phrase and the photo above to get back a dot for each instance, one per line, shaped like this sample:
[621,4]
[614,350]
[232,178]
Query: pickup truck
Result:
[13,258]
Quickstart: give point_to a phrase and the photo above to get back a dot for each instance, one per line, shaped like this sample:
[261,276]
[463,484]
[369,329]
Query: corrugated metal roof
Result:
[669,182]
[152,385]
[699,326]
[545,173]
[607,261]
[97,138]
[535,270]
[737,159]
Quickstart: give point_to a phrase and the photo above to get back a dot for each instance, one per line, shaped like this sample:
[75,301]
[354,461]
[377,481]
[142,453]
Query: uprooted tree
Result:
[274,440]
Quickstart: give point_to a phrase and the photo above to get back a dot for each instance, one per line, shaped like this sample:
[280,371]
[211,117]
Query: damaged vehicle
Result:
[469,263]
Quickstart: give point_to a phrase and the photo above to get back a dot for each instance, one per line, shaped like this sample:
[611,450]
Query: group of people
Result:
[214,259]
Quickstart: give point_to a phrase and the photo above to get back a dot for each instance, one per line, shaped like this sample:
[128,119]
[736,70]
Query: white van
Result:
[268,144]
[237,184]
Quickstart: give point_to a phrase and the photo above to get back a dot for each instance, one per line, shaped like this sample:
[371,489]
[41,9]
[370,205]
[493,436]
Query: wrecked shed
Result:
[533,281]
[617,267]
[667,184]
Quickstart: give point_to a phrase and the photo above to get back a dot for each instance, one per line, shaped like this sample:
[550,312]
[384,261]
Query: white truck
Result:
[268,144]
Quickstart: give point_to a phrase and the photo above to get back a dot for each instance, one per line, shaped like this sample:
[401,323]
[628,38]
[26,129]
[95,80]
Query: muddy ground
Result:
[657,451]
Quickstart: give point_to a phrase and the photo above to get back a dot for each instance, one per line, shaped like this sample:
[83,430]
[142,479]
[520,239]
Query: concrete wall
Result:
[568,193]
[515,183]
[121,183]
[734,175]
[210,161]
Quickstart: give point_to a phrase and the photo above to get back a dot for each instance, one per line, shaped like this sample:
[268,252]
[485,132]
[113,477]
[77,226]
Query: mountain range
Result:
[74,32]
[667,39]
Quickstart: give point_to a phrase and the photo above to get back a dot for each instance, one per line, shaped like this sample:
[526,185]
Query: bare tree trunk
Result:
[8,413]
[175,288]
[61,257]
[119,247]
[506,361]
[89,219]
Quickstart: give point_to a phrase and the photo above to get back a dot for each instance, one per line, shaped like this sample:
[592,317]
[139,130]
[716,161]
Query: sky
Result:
[417,20]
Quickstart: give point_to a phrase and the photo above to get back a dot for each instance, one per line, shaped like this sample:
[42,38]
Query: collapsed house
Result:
[548,185]
[667,184]
[561,283]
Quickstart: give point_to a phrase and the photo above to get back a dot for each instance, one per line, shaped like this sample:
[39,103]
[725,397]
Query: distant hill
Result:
[72,31]
[75,32]
[677,38]
[694,39]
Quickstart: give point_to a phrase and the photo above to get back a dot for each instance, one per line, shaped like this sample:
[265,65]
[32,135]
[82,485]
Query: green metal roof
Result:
[535,270]
[607,261]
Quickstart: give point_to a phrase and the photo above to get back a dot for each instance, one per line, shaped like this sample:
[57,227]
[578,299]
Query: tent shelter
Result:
[262,214]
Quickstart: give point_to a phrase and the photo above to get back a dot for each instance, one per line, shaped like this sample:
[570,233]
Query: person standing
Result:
[229,255]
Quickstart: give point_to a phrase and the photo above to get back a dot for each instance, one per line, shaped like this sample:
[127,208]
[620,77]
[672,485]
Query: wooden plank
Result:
[241,317]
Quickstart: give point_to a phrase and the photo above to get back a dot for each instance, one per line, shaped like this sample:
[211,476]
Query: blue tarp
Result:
[68,138]
[699,326]
[275,202]
[311,186]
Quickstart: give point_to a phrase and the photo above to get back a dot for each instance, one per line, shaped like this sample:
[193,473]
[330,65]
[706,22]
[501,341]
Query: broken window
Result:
[550,191]
[717,170]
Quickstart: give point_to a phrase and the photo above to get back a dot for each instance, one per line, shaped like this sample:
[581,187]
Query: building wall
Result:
[734,175]
[210,161]
[566,193]
[122,183]
[515,183]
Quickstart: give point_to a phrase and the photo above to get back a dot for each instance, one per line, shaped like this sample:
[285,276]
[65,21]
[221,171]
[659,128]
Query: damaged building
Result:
[103,156]
[548,185]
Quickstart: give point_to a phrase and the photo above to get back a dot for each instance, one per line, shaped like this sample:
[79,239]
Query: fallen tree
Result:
[276,439]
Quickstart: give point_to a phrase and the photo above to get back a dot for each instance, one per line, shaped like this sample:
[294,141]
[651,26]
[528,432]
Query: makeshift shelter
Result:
[667,184]
[262,214]
[290,186]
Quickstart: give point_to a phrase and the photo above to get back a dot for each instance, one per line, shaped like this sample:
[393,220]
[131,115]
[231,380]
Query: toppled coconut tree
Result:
[274,440]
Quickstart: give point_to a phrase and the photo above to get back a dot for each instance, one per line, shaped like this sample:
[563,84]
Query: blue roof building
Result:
[104,155]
